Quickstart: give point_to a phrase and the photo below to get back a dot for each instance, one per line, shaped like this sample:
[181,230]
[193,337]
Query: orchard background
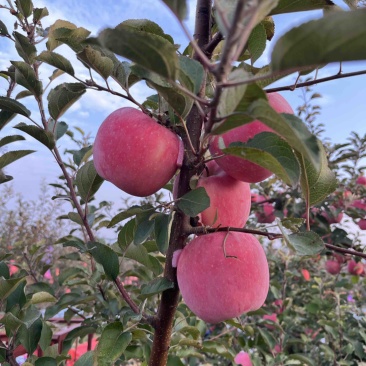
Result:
[107,267]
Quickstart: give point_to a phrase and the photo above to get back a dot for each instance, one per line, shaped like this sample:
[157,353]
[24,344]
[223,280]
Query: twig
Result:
[345,251]
[216,39]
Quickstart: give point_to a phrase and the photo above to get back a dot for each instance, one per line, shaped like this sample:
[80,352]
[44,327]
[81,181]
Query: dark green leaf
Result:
[12,106]
[46,336]
[61,98]
[103,65]
[257,42]
[112,343]
[132,211]
[56,60]
[156,286]
[148,50]
[194,202]
[44,137]
[11,323]
[25,7]
[178,7]
[127,234]
[85,360]
[81,331]
[9,139]
[162,231]
[25,76]
[45,361]
[290,6]
[317,184]
[144,228]
[11,156]
[140,255]
[39,13]
[341,39]
[25,49]
[75,217]
[268,338]
[30,336]
[305,360]
[59,130]
[5,117]
[88,181]
[3,29]
[271,152]
[80,155]
[105,256]
[191,73]
[4,270]
[16,298]
[23,94]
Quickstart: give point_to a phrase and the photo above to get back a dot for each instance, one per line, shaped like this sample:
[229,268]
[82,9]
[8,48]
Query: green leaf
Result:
[269,27]
[217,349]
[25,76]
[88,181]
[257,42]
[46,336]
[39,13]
[11,323]
[290,6]
[9,139]
[61,98]
[162,231]
[140,255]
[191,73]
[3,29]
[23,94]
[271,152]
[11,156]
[12,106]
[156,286]
[112,343]
[30,336]
[45,361]
[132,211]
[42,297]
[148,50]
[194,202]
[304,243]
[44,137]
[317,184]
[56,60]
[103,65]
[268,338]
[25,49]
[145,226]
[59,130]
[105,256]
[305,360]
[86,359]
[25,7]
[341,39]
[178,7]
[127,234]
[81,331]
[231,97]
[75,217]
[80,155]
[4,270]
[17,298]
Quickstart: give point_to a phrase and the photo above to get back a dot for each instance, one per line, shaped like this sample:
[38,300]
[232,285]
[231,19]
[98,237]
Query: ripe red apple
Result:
[361,180]
[243,359]
[273,318]
[229,201]
[362,224]
[333,216]
[355,268]
[223,275]
[305,274]
[135,153]
[360,204]
[266,214]
[238,168]
[332,267]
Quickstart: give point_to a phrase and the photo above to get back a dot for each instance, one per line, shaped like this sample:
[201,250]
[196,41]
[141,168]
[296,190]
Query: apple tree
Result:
[240,196]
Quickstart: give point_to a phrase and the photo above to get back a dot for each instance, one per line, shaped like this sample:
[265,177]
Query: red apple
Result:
[360,204]
[332,267]
[333,216]
[355,268]
[271,317]
[361,180]
[212,168]
[362,224]
[305,274]
[223,275]
[229,201]
[266,214]
[243,359]
[238,168]
[135,153]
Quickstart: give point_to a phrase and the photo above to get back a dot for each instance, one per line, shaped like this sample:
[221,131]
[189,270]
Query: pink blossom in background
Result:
[242,358]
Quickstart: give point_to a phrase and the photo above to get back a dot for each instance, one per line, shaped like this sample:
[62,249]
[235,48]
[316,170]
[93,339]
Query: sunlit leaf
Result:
[56,60]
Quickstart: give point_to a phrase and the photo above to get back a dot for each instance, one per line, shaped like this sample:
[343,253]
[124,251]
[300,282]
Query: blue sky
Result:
[343,103]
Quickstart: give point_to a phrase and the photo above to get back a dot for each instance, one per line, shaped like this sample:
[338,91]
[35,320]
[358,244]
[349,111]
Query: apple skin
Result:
[238,168]
[135,153]
[273,318]
[229,201]
[361,180]
[218,287]
[333,216]
[243,359]
[360,204]
[355,268]
[332,267]
[266,216]
[362,224]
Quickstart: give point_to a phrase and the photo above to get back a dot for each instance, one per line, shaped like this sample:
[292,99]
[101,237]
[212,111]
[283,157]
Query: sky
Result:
[343,103]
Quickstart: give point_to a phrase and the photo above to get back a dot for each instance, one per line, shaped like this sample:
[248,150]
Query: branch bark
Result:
[170,298]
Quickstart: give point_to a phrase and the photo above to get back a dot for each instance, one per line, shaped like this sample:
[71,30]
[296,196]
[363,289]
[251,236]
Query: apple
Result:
[360,204]
[223,275]
[135,153]
[238,168]
[333,216]
[333,267]
[355,268]
[271,317]
[212,168]
[266,214]
[305,274]
[362,224]
[361,180]
[243,359]
[229,201]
